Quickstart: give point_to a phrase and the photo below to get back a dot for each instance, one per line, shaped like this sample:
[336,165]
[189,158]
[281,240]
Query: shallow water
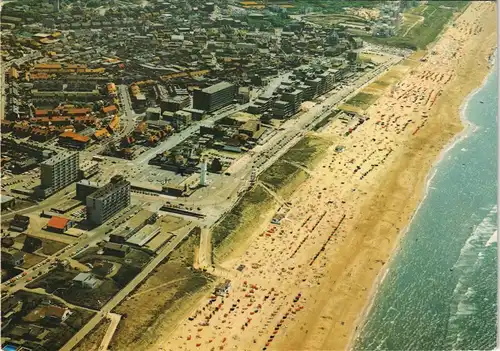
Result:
[440,291]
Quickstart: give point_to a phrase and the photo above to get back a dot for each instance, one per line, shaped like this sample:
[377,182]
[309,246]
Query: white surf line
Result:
[492,239]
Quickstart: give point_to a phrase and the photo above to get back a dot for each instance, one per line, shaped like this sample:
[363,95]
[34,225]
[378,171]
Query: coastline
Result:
[419,158]
[335,243]
[468,128]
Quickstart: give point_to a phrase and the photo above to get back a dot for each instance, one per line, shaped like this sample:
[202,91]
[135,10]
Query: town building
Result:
[153,113]
[108,200]
[196,115]
[49,313]
[88,169]
[13,257]
[181,119]
[175,103]
[73,140]
[84,188]
[114,249]
[58,172]
[214,97]
[86,280]
[59,224]
[6,202]
[20,223]
[132,226]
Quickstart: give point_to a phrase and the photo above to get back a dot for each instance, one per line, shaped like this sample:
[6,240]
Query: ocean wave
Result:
[471,256]
[478,239]
[493,239]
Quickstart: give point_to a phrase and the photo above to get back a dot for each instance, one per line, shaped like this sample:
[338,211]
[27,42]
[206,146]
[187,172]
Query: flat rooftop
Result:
[144,235]
[59,157]
[139,218]
[217,87]
[105,190]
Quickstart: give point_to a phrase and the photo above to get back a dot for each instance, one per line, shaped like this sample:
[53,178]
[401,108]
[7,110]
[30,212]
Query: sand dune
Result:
[307,281]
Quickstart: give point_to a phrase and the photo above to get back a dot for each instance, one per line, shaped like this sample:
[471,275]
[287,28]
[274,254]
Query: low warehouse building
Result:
[114,249]
[59,224]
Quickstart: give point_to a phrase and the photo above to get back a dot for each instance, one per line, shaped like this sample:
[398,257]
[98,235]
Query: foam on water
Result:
[493,239]
[440,292]
[478,239]
[471,255]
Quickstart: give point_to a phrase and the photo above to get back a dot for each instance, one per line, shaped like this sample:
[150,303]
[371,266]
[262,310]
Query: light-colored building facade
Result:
[58,172]
[108,200]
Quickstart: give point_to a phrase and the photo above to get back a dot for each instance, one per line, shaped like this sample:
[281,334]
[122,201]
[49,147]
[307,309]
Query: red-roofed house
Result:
[109,110]
[78,111]
[74,140]
[42,113]
[59,224]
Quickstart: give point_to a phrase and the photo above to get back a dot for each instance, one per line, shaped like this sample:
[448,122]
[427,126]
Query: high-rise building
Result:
[294,97]
[214,97]
[108,200]
[58,172]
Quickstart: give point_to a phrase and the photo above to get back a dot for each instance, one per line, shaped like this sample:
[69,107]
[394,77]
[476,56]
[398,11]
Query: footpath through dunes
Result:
[303,283]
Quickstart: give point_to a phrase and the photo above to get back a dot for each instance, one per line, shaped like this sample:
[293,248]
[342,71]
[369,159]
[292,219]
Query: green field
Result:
[436,14]
[282,171]
[333,19]
[362,100]
[245,211]
[330,6]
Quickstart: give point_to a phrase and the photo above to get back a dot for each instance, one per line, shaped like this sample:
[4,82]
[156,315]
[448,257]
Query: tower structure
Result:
[203,172]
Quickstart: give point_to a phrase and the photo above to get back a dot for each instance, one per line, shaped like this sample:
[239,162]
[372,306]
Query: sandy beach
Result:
[307,283]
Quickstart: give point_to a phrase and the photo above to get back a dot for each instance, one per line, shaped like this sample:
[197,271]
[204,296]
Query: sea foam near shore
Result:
[396,328]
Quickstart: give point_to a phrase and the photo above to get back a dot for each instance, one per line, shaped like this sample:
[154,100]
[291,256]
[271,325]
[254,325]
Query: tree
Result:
[215,166]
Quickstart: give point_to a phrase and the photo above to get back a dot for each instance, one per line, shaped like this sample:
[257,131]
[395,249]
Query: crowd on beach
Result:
[285,262]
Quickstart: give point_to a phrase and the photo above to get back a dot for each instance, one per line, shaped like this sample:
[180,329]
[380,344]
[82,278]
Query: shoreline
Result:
[468,129]
[335,267]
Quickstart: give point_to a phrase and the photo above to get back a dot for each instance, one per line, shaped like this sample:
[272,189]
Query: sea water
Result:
[440,290]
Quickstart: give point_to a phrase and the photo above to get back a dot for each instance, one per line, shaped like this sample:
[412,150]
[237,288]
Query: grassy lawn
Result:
[334,18]
[362,100]
[332,6]
[408,21]
[244,212]
[436,14]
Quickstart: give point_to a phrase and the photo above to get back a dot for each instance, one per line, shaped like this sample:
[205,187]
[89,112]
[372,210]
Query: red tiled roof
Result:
[109,109]
[85,118]
[57,222]
[48,65]
[60,118]
[40,119]
[75,137]
[77,111]
[40,113]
